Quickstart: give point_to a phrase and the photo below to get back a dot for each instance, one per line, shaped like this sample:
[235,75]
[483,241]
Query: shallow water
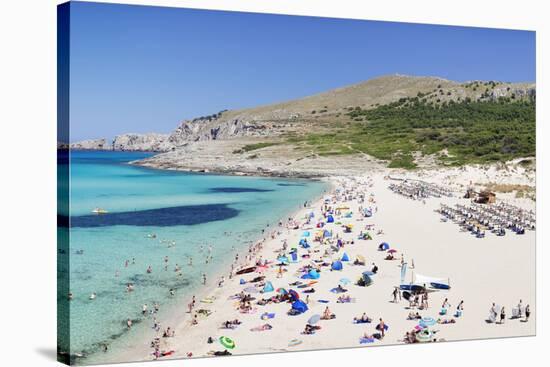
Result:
[186,212]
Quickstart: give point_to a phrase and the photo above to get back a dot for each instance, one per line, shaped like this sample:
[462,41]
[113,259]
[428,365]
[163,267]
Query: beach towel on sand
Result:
[366,340]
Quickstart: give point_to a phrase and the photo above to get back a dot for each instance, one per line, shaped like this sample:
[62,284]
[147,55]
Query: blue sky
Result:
[143,69]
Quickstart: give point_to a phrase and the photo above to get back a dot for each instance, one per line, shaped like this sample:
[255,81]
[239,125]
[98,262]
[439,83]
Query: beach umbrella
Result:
[345,257]
[345,281]
[384,246]
[424,336]
[227,342]
[392,251]
[314,319]
[268,287]
[361,258]
[366,279]
[282,291]
[305,234]
[283,259]
[299,306]
[337,265]
[427,322]
[294,294]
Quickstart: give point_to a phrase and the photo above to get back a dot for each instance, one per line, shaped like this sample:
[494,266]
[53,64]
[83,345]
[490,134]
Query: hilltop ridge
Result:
[328,124]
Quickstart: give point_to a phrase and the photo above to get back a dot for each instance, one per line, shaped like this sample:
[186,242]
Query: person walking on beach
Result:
[459,309]
[527,313]
[394,293]
[129,323]
[382,327]
[204,278]
[502,315]
[520,305]
[494,311]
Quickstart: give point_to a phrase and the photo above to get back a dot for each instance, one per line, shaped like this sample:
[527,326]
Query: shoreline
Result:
[174,315]
[193,339]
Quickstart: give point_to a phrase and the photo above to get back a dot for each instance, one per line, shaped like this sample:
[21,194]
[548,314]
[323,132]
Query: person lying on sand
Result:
[344,299]
[310,329]
[263,327]
[219,353]
[341,289]
[231,324]
[414,316]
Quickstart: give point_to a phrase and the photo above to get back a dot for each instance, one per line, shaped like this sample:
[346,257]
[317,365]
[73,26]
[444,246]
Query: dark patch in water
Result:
[146,280]
[163,217]
[234,190]
[62,220]
[290,184]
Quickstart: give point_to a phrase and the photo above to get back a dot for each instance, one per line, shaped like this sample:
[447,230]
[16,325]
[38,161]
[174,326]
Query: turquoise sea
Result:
[184,211]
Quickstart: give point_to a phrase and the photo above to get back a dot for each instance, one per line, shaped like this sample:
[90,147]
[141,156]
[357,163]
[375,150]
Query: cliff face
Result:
[92,144]
[142,142]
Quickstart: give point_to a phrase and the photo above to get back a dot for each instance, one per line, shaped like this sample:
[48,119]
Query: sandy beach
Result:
[480,271]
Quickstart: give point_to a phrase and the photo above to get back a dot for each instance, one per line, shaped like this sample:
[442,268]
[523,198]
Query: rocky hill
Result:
[142,142]
[91,144]
[396,120]
[277,119]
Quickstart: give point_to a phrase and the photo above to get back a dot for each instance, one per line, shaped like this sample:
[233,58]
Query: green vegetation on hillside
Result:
[469,131]
[256,146]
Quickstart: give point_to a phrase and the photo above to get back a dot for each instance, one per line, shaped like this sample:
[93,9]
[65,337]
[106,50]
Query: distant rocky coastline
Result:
[151,142]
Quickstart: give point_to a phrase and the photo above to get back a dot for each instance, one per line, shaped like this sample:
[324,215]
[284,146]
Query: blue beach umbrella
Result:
[345,281]
[427,322]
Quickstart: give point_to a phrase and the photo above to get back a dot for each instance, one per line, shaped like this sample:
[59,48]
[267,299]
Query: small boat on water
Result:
[99,211]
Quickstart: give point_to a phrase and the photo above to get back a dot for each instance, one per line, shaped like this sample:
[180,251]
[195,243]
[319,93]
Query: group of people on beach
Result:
[315,255]
[497,314]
